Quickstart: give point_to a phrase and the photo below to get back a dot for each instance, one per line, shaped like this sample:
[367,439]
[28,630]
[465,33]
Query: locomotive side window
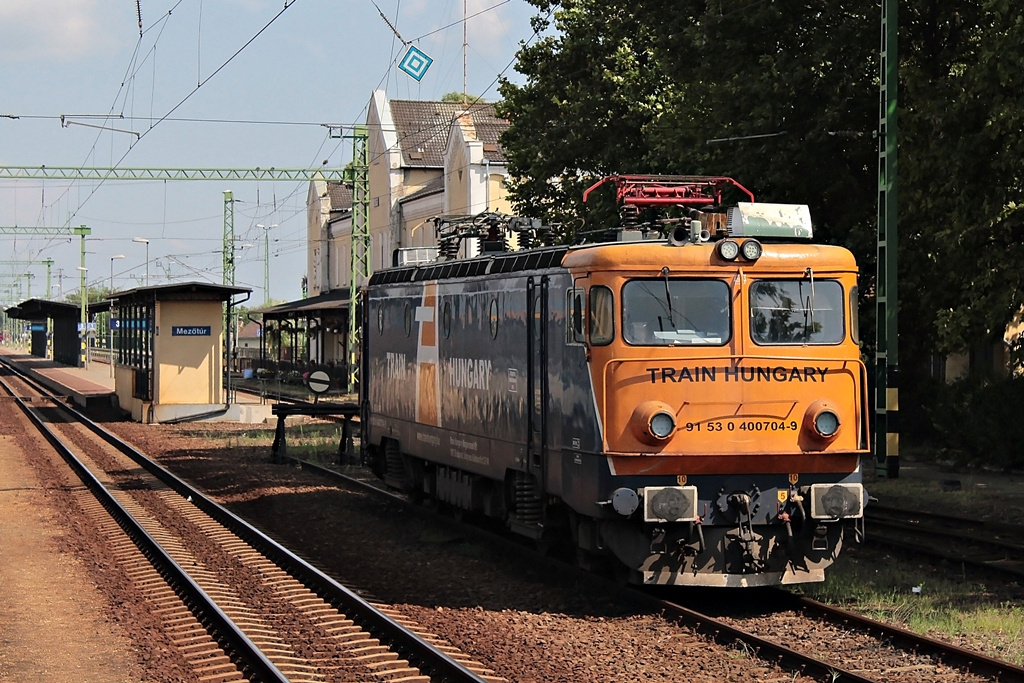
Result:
[446,319]
[574,307]
[796,312]
[855,314]
[602,315]
[493,314]
[676,312]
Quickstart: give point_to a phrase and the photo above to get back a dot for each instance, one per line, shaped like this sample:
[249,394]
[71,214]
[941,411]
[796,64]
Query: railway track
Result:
[863,650]
[236,604]
[990,546]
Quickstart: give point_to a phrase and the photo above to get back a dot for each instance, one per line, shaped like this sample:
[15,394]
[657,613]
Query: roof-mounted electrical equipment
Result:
[496,233]
[770,220]
[668,190]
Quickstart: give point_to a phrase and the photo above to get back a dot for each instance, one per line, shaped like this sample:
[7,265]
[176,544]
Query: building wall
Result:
[385,176]
[416,232]
[472,185]
[341,260]
[457,183]
[497,192]
[316,255]
[188,370]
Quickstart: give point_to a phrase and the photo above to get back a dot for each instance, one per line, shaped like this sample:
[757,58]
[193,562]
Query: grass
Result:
[316,442]
[969,613]
[977,500]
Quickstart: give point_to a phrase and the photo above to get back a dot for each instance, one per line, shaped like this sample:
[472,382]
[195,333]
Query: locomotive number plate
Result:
[742,426]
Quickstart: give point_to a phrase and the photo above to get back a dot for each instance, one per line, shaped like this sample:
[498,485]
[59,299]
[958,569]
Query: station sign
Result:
[88,327]
[190,330]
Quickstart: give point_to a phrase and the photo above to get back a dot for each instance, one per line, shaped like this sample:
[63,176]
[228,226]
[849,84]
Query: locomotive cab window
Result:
[602,316]
[574,308]
[796,312]
[675,312]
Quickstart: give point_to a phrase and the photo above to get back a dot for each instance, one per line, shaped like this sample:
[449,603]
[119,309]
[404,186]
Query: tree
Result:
[783,96]
[456,96]
[680,87]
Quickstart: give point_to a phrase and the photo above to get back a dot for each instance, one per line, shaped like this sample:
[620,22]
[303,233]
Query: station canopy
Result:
[314,306]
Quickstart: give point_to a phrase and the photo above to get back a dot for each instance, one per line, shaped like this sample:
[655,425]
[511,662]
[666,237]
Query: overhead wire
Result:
[167,115]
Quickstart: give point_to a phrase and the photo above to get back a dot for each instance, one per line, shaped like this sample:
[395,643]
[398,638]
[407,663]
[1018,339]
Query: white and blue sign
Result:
[415,63]
[190,331]
[115,323]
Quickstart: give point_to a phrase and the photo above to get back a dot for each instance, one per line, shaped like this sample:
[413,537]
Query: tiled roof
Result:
[423,127]
[340,195]
[433,187]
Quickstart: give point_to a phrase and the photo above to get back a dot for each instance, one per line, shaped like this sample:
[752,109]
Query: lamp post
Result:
[84,296]
[143,240]
[110,315]
[266,260]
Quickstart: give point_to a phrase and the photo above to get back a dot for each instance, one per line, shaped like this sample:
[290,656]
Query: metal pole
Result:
[84,360]
[887,438]
[110,315]
[143,240]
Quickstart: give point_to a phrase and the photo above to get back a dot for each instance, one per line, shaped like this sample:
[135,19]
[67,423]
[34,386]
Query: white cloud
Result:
[61,29]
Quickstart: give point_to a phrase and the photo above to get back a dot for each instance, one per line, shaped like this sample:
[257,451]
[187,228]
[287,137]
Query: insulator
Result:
[630,215]
[448,249]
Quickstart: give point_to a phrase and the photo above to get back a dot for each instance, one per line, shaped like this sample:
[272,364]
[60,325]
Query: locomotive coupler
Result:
[685,547]
[745,533]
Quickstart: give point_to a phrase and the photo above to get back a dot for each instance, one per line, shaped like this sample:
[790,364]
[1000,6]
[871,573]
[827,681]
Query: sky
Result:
[207,84]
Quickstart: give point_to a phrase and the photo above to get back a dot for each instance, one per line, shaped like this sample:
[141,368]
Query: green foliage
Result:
[784,97]
[456,96]
[978,420]
[94,294]
[678,87]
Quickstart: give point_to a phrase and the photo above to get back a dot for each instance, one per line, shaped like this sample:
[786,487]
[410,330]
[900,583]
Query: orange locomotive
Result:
[694,407]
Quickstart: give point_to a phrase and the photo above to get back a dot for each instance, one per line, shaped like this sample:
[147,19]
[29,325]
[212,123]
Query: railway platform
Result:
[89,387]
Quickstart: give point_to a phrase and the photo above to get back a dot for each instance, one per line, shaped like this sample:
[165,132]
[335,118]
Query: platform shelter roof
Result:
[180,291]
[41,309]
[331,301]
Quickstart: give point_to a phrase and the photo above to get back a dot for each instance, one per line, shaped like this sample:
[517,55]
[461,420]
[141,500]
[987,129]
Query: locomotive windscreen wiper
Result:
[668,296]
[808,304]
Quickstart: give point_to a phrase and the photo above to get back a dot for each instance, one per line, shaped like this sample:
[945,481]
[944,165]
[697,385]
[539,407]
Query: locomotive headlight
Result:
[662,425]
[751,250]
[728,249]
[653,422]
[822,420]
[826,423]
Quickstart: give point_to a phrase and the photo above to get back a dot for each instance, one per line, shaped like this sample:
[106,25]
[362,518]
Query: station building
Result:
[426,159]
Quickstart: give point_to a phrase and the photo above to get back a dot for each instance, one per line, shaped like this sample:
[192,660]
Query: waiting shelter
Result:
[53,322]
[321,323]
[169,343]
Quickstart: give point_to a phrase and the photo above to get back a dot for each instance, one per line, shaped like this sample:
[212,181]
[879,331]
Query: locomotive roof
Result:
[653,255]
[502,262]
[648,255]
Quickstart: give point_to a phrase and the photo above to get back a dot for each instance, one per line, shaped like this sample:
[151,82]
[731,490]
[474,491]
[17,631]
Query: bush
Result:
[979,419]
